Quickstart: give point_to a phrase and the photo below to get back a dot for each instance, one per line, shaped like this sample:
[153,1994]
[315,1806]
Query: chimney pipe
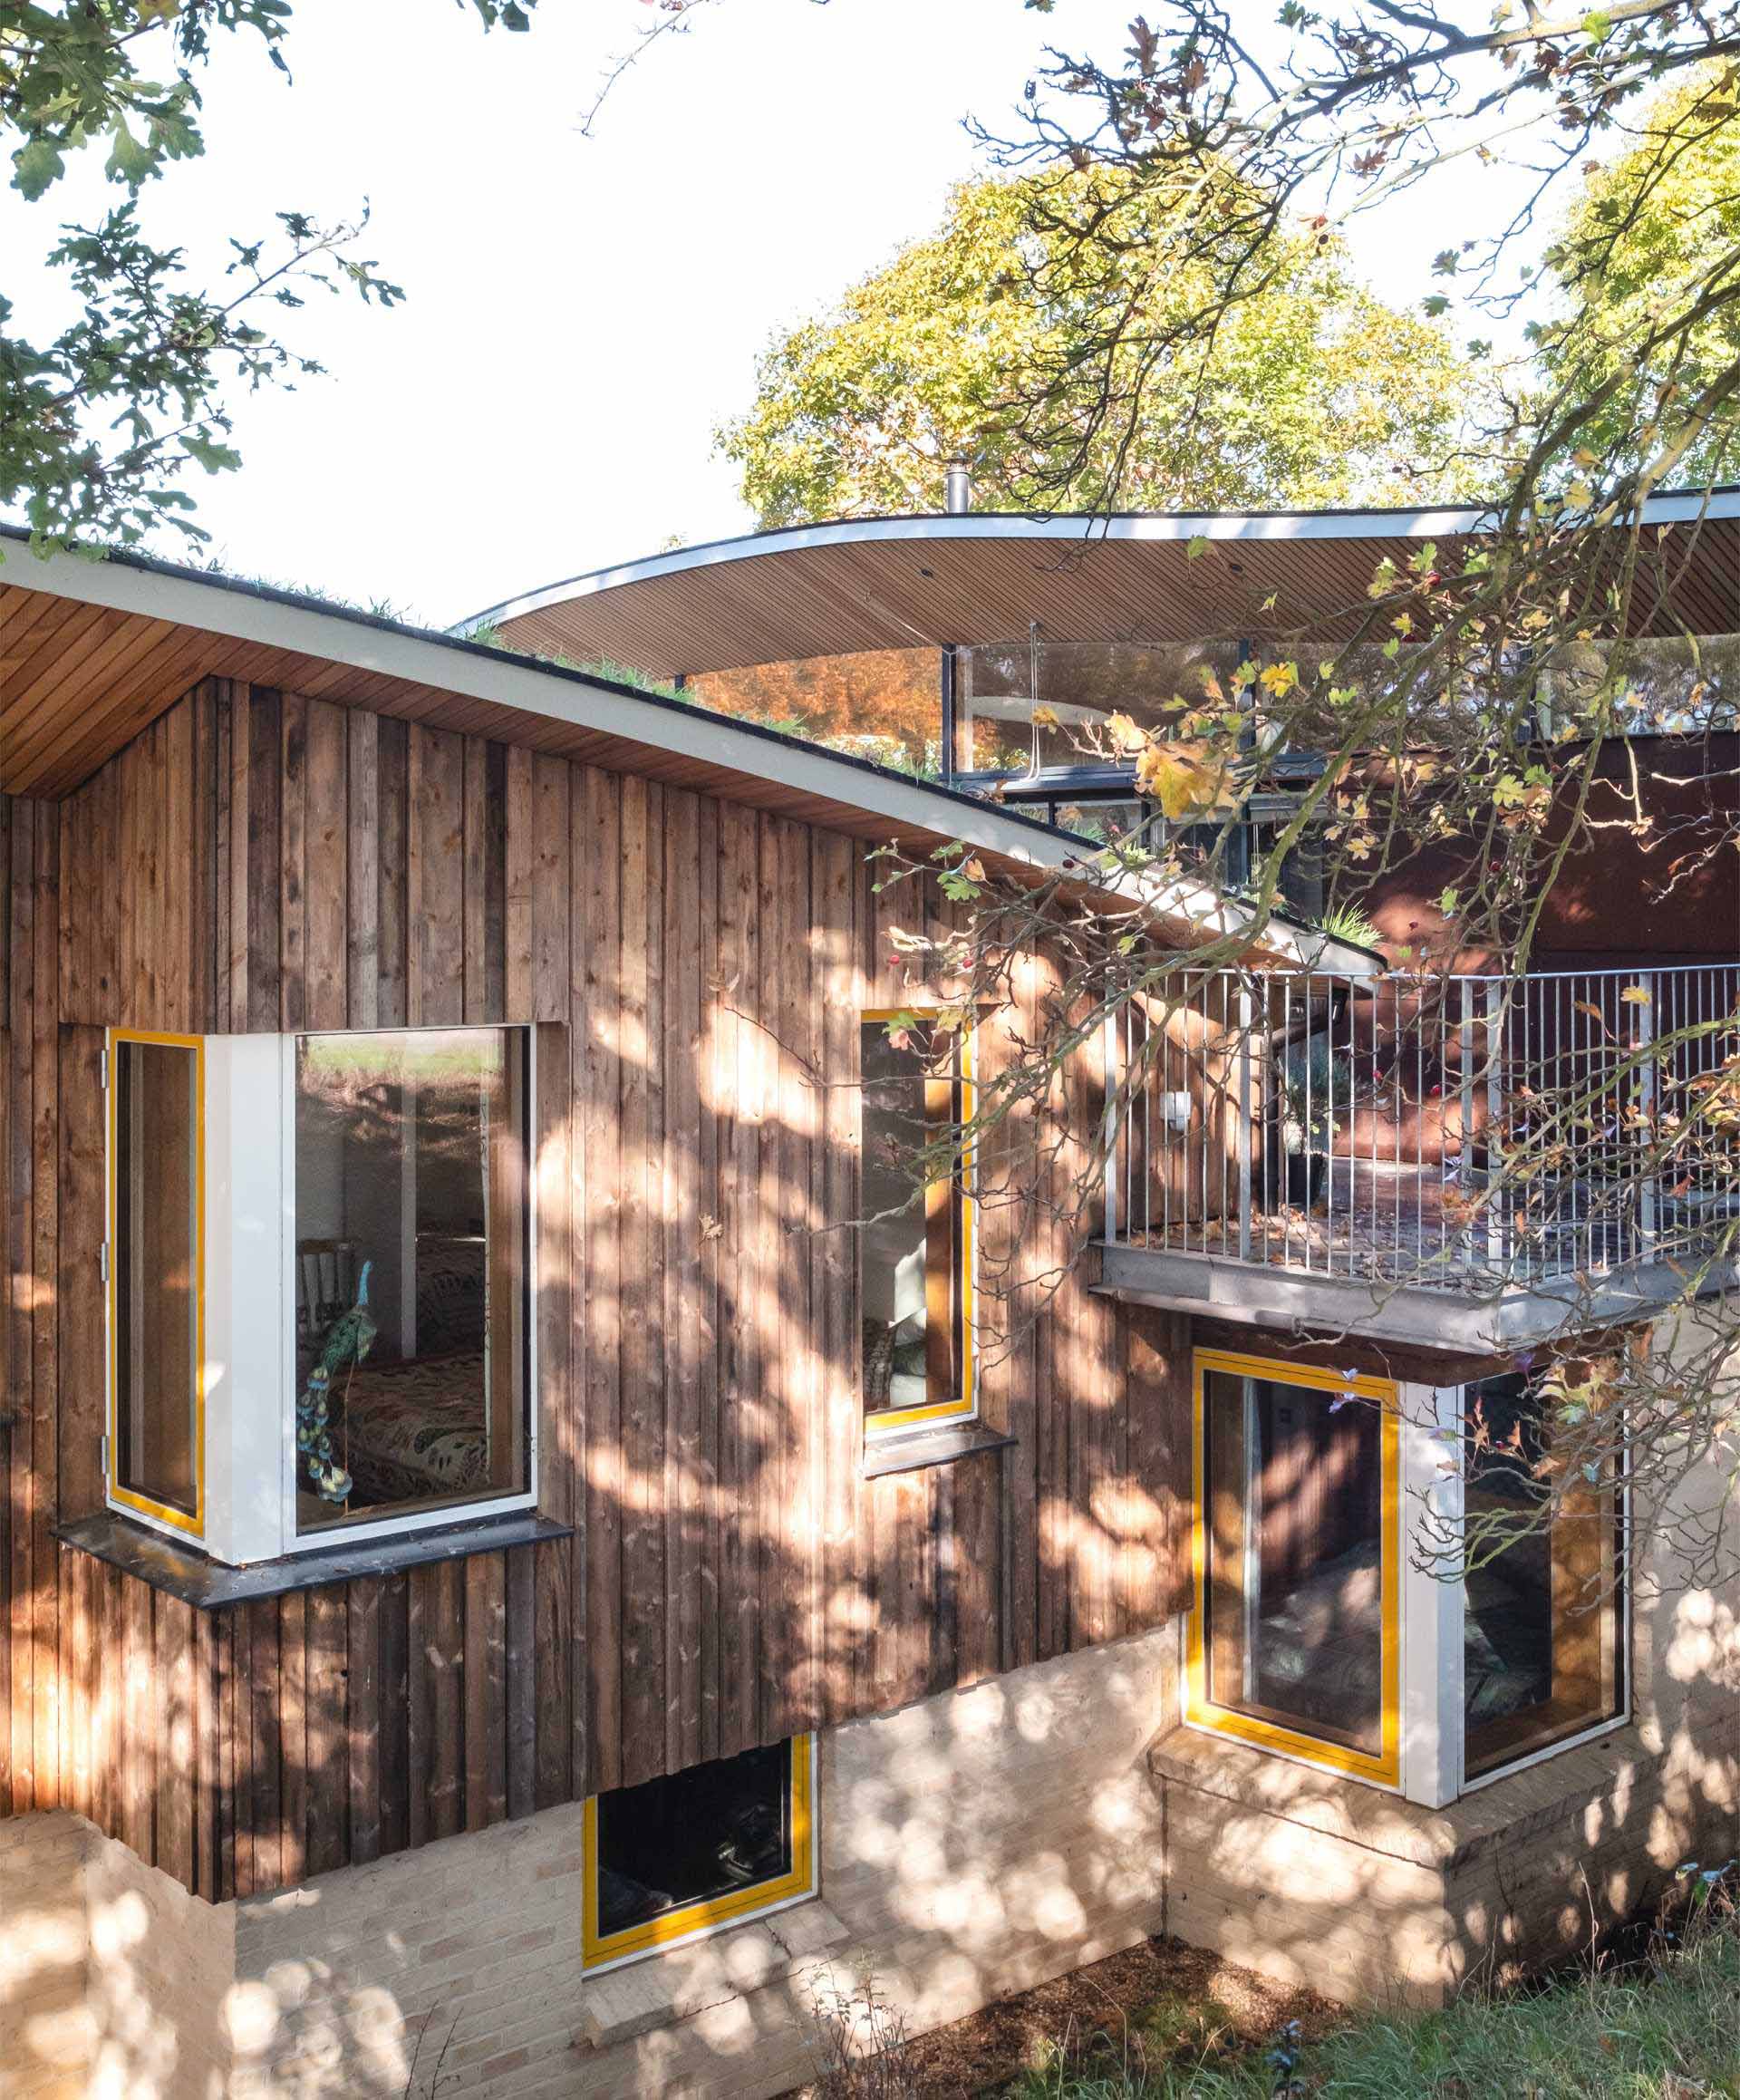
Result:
[957,489]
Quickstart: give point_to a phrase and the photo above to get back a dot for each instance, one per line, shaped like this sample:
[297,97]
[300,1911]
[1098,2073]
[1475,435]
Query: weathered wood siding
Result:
[260,861]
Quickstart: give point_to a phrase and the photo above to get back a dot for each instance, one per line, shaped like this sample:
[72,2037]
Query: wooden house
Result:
[522,1546]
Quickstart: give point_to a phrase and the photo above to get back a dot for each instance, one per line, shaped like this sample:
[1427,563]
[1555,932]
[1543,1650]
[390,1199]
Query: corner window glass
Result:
[1542,1603]
[411,1318]
[155,1238]
[1294,1542]
[915,1260]
[698,1849]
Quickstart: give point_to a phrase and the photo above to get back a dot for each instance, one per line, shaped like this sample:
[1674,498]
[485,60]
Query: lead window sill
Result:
[921,1447]
[182,1571]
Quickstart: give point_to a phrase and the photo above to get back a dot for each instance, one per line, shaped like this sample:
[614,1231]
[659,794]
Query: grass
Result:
[1667,2027]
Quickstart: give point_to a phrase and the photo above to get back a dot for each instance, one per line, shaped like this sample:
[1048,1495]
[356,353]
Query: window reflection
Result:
[411,1283]
[1077,686]
[713,1831]
[1293,1534]
[913,1261]
[156,1244]
[1542,1607]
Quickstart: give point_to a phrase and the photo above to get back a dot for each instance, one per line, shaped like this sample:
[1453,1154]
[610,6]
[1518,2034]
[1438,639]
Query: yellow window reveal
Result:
[156,1276]
[915,1270]
[1295,1635]
[707,1847]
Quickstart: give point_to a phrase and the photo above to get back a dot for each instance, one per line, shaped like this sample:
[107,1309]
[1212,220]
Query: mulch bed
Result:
[1162,2001]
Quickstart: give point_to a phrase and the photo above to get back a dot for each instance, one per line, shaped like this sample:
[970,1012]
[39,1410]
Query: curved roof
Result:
[97,650]
[901,583]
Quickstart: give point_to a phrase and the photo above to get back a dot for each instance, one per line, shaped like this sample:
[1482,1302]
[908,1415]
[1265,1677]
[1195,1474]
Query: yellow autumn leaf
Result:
[1175,777]
[1126,732]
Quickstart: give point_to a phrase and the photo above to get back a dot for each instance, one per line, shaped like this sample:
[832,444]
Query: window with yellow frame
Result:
[156,1441]
[1295,1639]
[915,1272]
[702,1849]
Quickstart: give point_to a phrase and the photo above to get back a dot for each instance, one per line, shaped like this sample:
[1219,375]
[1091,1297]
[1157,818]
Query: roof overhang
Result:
[92,650]
[901,583]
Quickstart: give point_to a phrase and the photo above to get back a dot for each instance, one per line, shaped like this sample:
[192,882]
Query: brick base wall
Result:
[969,1846]
[113,1979]
[1365,1896]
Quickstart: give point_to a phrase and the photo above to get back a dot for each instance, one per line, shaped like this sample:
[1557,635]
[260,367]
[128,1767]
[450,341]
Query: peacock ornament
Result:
[345,1344]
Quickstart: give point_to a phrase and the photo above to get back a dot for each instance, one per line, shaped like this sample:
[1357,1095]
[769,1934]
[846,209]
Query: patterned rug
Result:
[409,1430]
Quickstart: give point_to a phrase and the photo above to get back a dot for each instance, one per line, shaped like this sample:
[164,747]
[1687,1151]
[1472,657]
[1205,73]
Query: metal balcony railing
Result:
[1464,1132]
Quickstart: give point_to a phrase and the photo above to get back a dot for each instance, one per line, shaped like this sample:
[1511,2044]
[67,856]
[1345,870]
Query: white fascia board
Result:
[572,697]
[1152,527]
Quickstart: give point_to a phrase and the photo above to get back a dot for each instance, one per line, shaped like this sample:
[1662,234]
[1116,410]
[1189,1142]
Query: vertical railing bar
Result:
[1207,1099]
[1109,1044]
[1494,1109]
[1394,1038]
[1419,1132]
[1246,1023]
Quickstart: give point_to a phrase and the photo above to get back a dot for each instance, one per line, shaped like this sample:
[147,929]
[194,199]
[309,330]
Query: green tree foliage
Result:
[101,421]
[1650,262]
[1312,390]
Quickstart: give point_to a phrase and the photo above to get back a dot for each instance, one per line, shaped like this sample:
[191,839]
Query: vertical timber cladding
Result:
[263,861]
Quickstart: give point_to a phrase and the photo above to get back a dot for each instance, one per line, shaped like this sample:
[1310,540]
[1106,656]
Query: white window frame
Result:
[1433,1749]
[248,1373]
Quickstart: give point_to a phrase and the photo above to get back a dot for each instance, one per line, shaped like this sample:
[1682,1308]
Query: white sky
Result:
[583,312]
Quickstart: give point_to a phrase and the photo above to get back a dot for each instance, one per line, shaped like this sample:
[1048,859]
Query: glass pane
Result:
[1294,1538]
[1082,685]
[410,1271]
[1541,1612]
[699,1835]
[885,705]
[1107,822]
[910,1259]
[156,1280]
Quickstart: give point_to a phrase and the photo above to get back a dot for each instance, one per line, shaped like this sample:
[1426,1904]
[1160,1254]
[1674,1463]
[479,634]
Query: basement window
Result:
[320,1255]
[917,1246]
[702,1849]
[1543,1646]
[1295,1642]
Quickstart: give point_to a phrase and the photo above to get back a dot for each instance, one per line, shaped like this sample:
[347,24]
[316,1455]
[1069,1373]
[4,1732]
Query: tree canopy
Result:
[1654,235]
[969,343]
[101,421]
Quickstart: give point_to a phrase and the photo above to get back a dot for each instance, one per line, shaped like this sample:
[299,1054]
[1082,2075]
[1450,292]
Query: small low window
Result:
[410,1273]
[155,1277]
[1544,1604]
[916,1271]
[1294,1644]
[703,1848]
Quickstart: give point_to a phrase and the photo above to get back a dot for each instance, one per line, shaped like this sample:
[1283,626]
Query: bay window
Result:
[320,1259]
[1366,1599]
